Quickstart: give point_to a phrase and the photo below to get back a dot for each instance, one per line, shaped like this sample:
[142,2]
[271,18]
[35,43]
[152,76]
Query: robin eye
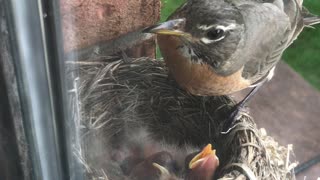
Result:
[215,34]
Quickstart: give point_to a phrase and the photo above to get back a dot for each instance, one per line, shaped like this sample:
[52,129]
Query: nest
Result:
[110,97]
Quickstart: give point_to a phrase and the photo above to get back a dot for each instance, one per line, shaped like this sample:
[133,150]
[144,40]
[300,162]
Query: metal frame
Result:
[36,47]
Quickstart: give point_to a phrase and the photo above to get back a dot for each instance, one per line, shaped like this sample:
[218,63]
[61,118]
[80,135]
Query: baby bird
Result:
[142,158]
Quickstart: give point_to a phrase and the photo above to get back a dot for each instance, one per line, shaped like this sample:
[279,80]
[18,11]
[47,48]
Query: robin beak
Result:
[207,154]
[171,27]
[162,169]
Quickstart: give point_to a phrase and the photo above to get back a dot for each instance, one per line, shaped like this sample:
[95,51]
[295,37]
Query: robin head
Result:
[210,30]
[227,34]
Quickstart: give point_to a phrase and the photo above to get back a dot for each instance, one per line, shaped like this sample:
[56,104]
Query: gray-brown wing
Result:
[268,32]
[281,27]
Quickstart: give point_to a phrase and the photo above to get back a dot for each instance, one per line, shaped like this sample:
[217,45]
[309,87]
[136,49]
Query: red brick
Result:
[86,22]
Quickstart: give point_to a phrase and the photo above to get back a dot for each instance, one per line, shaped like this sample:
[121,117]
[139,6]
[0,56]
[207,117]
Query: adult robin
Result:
[218,47]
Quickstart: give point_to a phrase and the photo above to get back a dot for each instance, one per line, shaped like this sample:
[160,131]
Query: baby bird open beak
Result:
[171,27]
[203,165]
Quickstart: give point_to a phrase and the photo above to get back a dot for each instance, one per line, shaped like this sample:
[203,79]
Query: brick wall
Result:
[87,22]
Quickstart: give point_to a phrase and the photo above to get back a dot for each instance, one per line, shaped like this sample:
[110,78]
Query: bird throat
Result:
[197,78]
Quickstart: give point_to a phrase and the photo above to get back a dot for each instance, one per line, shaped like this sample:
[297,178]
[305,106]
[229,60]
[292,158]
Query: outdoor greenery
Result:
[303,55]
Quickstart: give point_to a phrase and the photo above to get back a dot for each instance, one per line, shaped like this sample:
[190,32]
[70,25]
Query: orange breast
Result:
[198,79]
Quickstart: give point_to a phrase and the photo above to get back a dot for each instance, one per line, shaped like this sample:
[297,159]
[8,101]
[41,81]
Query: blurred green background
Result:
[303,55]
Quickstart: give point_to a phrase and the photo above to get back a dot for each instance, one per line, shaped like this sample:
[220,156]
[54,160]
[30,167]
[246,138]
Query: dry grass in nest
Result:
[111,96]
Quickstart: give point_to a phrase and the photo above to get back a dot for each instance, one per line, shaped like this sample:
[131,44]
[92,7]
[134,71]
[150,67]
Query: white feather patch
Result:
[208,41]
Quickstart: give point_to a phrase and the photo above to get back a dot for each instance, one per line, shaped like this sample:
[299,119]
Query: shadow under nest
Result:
[112,98]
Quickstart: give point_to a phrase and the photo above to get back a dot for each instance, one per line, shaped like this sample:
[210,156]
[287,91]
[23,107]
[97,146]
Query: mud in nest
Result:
[112,100]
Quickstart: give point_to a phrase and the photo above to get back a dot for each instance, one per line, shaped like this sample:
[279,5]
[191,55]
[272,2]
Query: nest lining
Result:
[110,96]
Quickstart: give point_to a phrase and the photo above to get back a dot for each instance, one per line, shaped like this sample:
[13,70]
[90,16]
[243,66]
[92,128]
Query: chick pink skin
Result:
[203,165]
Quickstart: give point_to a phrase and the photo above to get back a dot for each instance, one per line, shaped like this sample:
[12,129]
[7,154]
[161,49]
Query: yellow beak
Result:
[206,152]
[171,27]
